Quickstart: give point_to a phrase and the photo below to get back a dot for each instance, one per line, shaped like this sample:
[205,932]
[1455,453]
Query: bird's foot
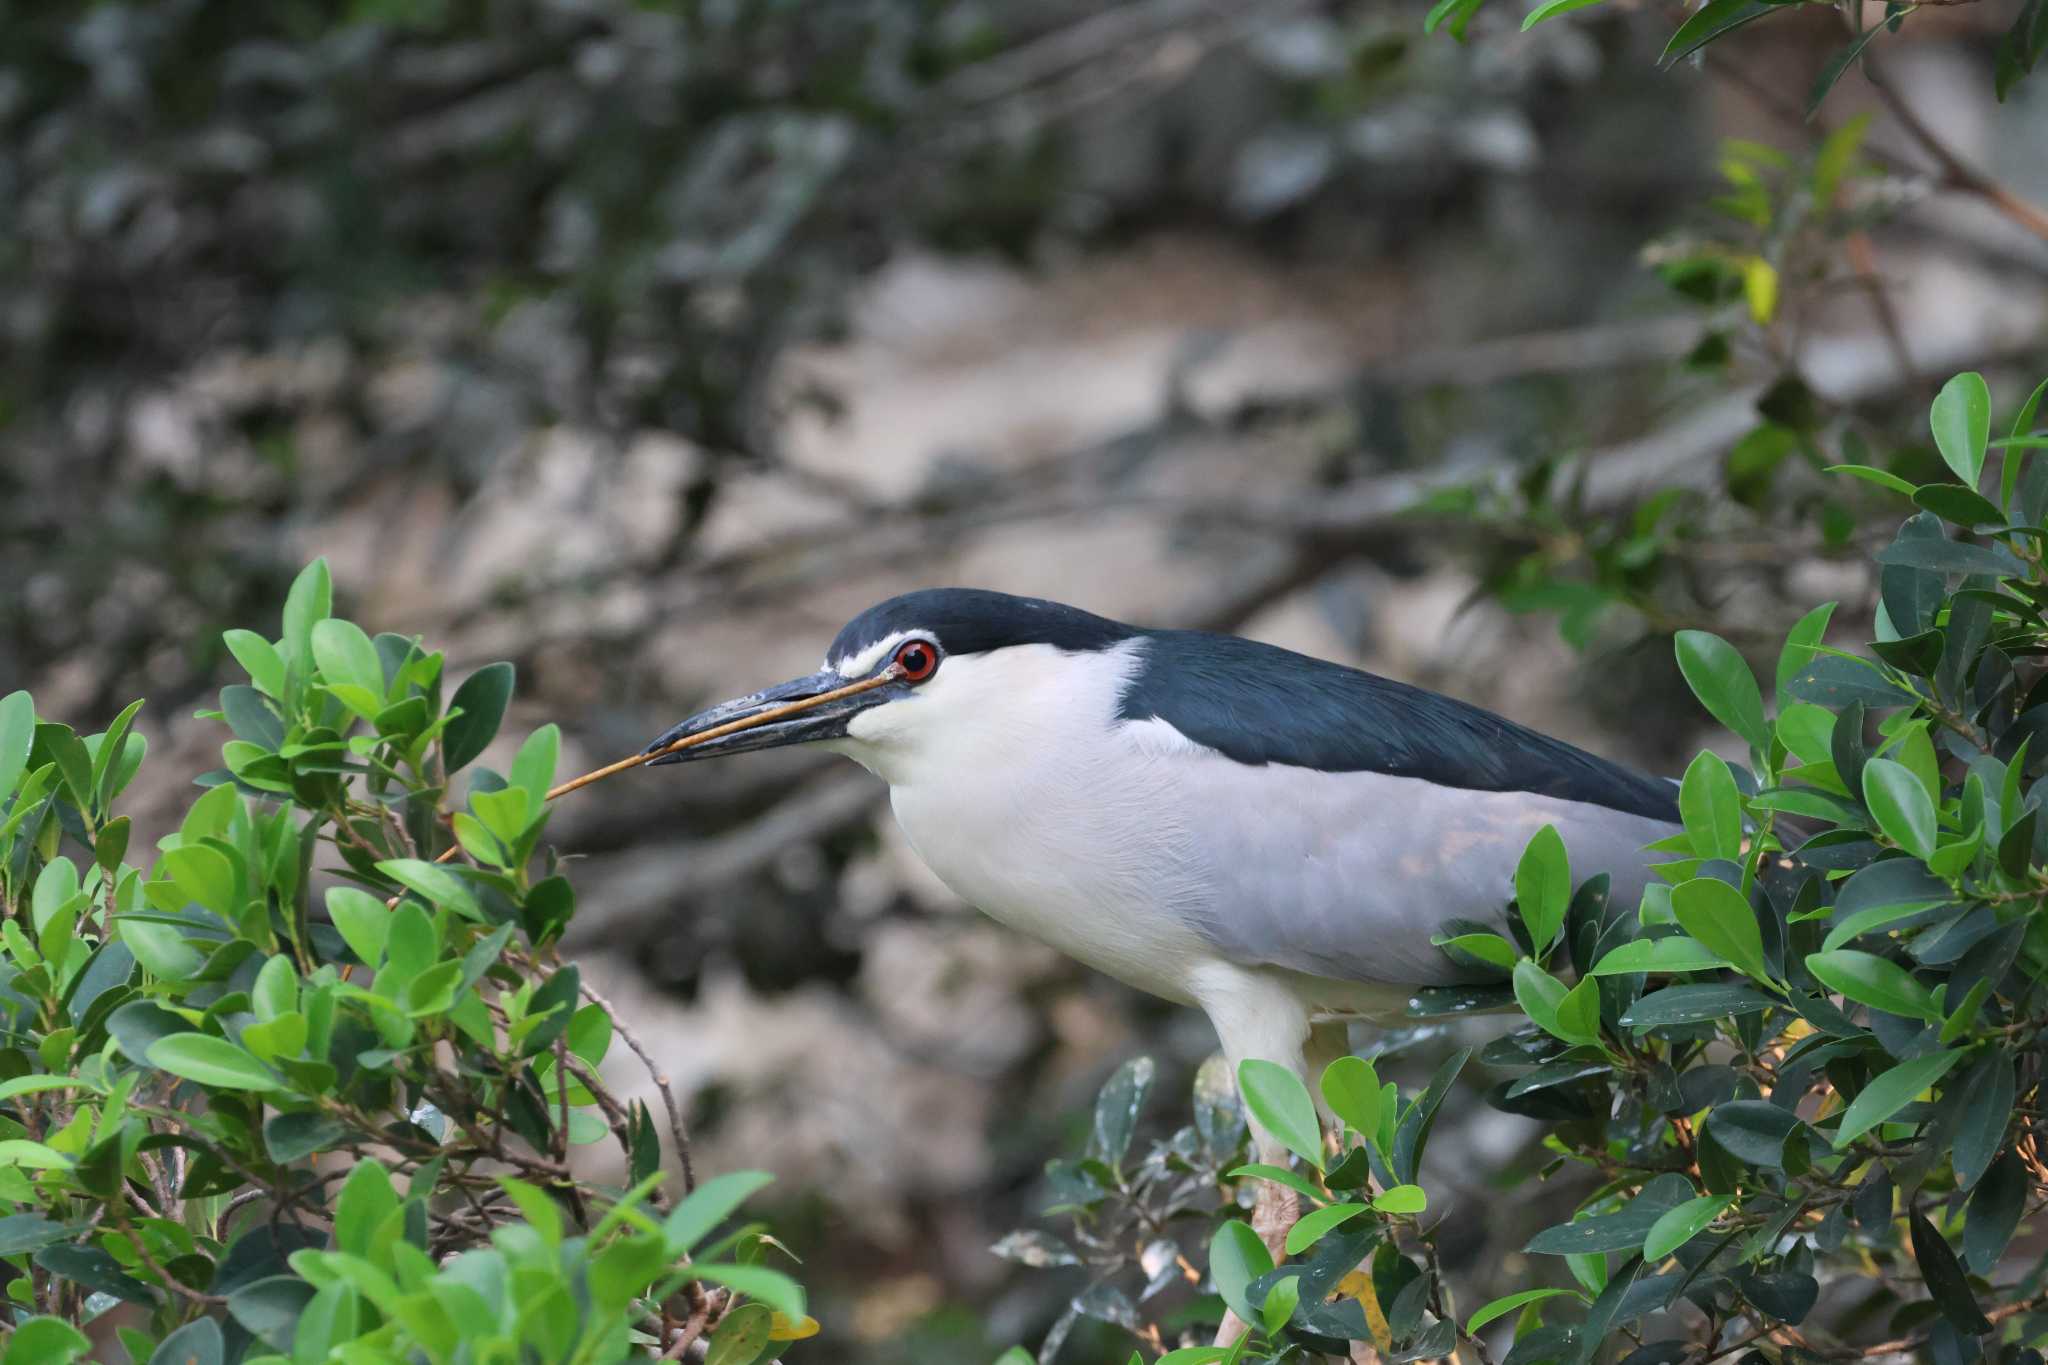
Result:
[1273,1217]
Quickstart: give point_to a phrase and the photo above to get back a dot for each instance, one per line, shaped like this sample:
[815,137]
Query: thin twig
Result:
[1956,173]
[677,1131]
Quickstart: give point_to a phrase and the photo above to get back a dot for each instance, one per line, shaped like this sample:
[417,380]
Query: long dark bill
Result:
[816,706]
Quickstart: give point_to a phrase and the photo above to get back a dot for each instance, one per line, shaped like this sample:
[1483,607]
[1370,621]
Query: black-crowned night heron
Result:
[1270,837]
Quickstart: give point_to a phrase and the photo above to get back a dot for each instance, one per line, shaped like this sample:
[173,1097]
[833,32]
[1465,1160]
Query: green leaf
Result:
[1620,1231]
[346,655]
[1831,71]
[433,990]
[1694,1004]
[771,1287]
[1351,1088]
[259,659]
[1236,1258]
[1543,887]
[17,737]
[1874,981]
[1945,1280]
[481,702]
[1550,9]
[1682,1224]
[1754,1131]
[1491,949]
[1890,1092]
[1711,808]
[1451,16]
[290,1137]
[49,1341]
[1280,1103]
[438,885]
[1709,22]
[1310,1228]
[1674,954]
[1800,643]
[534,767]
[1279,1175]
[1721,680]
[1501,1307]
[1899,802]
[1539,994]
[310,599]
[708,1206]
[1883,478]
[1411,1134]
[1719,916]
[211,1061]
[1281,1301]
[205,876]
[363,921]
[1116,1104]
[1402,1199]
[33,1155]
[198,1342]
[366,1199]
[1961,419]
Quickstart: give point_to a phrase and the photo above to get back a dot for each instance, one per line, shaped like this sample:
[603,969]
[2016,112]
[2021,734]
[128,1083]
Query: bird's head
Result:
[908,674]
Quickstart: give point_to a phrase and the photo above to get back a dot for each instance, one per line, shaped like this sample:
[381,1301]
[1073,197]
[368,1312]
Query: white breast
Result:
[1015,784]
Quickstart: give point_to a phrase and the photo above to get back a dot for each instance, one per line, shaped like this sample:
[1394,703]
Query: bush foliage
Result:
[288,1122]
[1804,1070]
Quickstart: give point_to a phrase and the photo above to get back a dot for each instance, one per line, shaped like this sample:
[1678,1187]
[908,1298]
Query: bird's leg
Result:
[1277,1210]
[1257,1016]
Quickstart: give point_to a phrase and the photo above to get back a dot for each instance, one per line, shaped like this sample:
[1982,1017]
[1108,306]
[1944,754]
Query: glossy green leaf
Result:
[1890,1092]
[1674,954]
[708,1206]
[363,921]
[1946,1282]
[1236,1258]
[1279,1175]
[1899,802]
[481,702]
[1403,1199]
[1309,1229]
[1874,981]
[1682,1224]
[1281,1301]
[1509,1303]
[211,1061]
[17,737]
[771,1287]
[1543,887]
[1720,918]
[1280,1103]
[1800,643]
[1961,420]
[1550,9]
[1720,678]
[259,659]
[1351,1088]
[1711,808]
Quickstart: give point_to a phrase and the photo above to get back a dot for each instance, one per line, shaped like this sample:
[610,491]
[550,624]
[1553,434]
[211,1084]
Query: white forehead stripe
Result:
[865,662]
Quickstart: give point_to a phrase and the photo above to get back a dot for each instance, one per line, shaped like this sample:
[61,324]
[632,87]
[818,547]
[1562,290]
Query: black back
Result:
[1261,704]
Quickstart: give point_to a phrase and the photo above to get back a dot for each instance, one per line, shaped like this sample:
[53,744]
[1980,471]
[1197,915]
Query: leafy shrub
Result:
[1803,1071]
[292,1088]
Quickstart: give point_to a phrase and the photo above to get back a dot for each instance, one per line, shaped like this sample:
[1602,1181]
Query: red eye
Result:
[917,660]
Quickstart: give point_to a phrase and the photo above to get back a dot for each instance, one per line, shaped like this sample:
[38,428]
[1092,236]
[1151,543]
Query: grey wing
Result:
[1350,875]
